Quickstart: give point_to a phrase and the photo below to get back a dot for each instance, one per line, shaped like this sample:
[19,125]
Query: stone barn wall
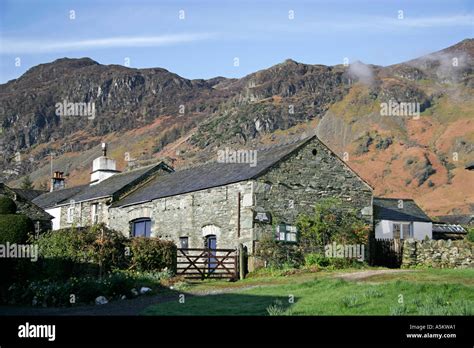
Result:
[307,176]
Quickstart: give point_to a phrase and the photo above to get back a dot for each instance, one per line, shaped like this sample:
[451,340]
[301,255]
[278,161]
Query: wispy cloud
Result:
[15,46]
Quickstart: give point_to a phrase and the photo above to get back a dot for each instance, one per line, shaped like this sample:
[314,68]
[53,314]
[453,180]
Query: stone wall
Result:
[438,253]
[307,176]
[193,215]
[83,213]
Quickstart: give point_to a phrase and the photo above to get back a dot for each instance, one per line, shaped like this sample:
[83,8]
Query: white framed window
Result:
[402,230]
[286,233]
[407,231]
[95,213]
[70,215]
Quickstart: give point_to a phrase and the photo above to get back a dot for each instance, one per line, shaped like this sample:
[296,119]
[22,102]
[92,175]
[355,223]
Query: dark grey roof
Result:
[105,188]
[209,175]
[448,228]
[456,219]
[28,194]
[387,209]
[24,205]
[50,199]
[111,185]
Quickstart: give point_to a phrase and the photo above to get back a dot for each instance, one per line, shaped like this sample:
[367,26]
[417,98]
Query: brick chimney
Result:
[57,181]
[103,167]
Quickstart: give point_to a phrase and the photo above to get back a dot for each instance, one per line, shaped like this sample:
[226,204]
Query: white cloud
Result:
[15,46]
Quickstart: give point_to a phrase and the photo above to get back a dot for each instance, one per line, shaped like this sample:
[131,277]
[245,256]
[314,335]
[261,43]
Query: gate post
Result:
[242,262]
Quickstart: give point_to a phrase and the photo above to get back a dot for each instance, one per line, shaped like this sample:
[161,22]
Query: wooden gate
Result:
[386,252]
[208,263]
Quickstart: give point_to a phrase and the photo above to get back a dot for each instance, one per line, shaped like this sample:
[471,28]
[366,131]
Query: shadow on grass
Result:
[223,304]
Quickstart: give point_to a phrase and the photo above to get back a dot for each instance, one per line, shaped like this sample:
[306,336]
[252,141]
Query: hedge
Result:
[14,228]
[7,205]
[153,254]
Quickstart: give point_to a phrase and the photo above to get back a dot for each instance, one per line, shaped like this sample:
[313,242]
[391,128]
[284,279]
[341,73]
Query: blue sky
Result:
[213,33]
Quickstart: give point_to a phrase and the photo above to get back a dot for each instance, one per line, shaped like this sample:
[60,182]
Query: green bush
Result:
[278,254]
[14,228]
[7,205]
[317,259]
[81,251]
[153,254]
[470,234]
[331,222]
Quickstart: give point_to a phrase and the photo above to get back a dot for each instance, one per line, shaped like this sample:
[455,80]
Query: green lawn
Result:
[420,292]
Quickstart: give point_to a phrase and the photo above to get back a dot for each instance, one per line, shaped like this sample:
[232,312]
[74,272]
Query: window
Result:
[286,233]
[396,231]
[141,228]
[402,231]
[184,242]
[407,231]
[95,213]
[70,215]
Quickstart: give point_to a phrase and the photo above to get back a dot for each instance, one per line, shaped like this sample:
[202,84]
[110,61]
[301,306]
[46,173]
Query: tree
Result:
[331,222]
[26,183]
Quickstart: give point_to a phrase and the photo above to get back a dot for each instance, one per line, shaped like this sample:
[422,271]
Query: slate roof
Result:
[456,219]
[51,199]
[387,209]
[104,188]
[209,175]
[28,194]
[448,228]
[24,205]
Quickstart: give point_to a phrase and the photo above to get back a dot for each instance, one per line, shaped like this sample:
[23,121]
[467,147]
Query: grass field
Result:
[418,292]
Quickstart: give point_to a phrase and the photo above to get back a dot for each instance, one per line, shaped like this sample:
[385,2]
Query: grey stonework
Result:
[303,177]
[83,213]
[438,253]
[194,215]
[307,176]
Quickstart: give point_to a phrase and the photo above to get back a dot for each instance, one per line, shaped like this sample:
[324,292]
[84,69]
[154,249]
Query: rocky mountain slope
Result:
[151,114]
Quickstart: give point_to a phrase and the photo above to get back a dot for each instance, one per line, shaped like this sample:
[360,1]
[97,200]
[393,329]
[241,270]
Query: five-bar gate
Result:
[208,263]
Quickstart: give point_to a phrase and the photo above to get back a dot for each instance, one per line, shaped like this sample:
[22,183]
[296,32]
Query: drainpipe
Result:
[238,215]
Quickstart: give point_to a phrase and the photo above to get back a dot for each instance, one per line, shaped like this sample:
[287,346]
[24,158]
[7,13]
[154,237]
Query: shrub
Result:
[14,228]
[316,259]
[470,235]
[277,254]
[7,205]
[331,222]
[81,251]
[153,254]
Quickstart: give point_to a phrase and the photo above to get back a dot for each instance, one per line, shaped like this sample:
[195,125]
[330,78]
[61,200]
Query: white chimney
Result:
[103,167]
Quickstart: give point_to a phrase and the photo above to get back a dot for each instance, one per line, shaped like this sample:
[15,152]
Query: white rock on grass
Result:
[144,290]
[134,292]
[101,300]
[123,297]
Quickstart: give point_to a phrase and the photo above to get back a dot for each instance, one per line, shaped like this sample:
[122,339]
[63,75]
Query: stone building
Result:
[23,200]
[218,204]
[224,204]
[89,204]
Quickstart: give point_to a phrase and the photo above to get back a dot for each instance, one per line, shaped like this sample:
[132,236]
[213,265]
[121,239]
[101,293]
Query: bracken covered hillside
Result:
[150,114]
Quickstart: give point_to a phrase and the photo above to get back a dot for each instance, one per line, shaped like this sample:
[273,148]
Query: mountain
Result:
[150,114]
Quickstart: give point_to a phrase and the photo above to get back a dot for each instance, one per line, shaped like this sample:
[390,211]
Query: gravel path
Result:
[366,274]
